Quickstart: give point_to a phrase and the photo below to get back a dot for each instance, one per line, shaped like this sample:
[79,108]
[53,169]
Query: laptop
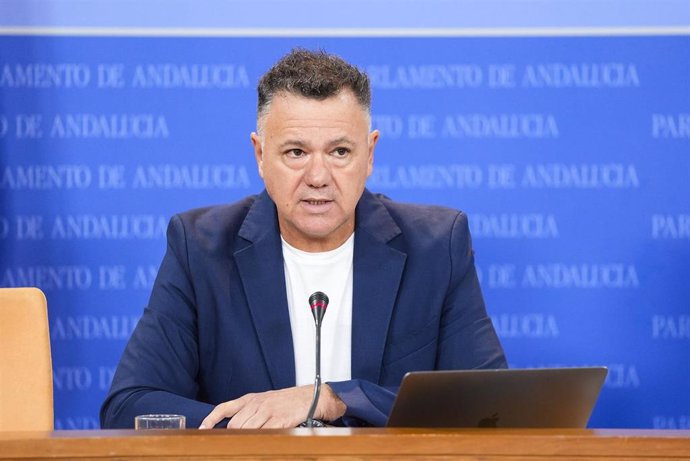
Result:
[538,397]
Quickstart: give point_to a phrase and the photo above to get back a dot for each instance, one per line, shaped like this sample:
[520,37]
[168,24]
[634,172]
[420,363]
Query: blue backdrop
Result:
[571,156]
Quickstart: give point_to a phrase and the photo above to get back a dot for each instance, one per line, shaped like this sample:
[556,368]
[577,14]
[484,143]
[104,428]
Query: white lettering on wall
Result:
[115,227]
[425,76]
[40,75]
[167,76]
[671,327]
[169,176]
[622,376]
[559,275]
[583,75]
[666,226]
[529,325]
[505,126]
[72,378]
[91,327]
[512,225]
[456,176]
[45,177]
[109,126]
[580,176]
[674,126]
[48,277]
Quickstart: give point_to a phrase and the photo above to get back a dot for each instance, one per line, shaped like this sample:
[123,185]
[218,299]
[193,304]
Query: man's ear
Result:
[373,139]
[258,153]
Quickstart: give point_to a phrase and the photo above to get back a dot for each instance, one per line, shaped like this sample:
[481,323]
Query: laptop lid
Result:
[540,397]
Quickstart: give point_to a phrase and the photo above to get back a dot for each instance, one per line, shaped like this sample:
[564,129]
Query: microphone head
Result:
[318,302]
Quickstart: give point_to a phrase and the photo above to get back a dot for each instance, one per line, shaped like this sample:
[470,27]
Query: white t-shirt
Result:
[331,273]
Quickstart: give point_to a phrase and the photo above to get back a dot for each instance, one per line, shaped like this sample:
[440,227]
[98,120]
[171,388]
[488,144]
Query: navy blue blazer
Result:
[217,324]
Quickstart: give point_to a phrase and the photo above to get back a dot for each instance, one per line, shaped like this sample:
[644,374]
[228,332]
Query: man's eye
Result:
[295,153]
[341,152]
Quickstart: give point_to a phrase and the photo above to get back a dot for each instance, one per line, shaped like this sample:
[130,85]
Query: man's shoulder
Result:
[217,217]
[410,226]
[212,228]
[419,216]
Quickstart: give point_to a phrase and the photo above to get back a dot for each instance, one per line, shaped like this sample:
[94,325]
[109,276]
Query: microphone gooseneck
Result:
[318,302]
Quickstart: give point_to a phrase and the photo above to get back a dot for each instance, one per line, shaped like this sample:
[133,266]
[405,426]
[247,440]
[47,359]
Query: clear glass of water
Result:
[159,422]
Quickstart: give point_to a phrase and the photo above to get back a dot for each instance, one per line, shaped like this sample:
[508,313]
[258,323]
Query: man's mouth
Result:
[316,202]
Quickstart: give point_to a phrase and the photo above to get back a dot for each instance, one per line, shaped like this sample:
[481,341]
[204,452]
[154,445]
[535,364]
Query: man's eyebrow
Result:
[342,140]
[301,144]
[292,143]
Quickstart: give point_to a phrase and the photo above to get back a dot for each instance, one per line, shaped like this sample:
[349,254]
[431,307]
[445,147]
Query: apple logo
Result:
[491,421]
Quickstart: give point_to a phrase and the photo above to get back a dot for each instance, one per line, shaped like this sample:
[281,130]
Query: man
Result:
[227,337]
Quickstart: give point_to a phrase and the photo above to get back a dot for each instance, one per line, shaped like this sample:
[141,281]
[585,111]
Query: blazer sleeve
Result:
[368,404]
[466,337]
[158,369]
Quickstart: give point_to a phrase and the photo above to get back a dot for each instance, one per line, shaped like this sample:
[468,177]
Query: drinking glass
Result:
[159,422]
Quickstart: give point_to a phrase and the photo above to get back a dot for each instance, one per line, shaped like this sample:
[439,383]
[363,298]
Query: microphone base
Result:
[316,423]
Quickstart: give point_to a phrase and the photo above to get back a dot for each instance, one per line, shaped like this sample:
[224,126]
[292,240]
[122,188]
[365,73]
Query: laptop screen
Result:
[543,397]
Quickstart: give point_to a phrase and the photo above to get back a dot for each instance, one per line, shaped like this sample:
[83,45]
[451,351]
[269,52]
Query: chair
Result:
[26,376]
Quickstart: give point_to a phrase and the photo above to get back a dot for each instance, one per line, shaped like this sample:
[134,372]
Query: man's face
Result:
[314,157]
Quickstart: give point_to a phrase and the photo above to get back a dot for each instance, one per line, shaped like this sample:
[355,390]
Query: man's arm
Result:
[157,371]
[468,339]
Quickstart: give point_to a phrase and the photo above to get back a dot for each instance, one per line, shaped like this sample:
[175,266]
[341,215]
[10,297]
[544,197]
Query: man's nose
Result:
[318,172]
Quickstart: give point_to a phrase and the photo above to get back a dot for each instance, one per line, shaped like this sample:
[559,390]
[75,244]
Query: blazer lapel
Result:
[378,269]
[261,269]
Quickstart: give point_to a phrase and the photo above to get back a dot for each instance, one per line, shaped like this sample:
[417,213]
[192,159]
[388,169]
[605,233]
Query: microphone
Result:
[318,302]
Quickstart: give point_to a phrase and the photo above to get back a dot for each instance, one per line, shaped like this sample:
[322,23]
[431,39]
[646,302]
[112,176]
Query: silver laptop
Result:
[539,397]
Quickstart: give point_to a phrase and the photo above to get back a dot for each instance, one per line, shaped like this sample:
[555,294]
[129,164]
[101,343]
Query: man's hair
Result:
[312,74]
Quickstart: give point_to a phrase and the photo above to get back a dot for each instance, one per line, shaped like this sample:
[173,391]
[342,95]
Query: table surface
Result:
[344,443]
